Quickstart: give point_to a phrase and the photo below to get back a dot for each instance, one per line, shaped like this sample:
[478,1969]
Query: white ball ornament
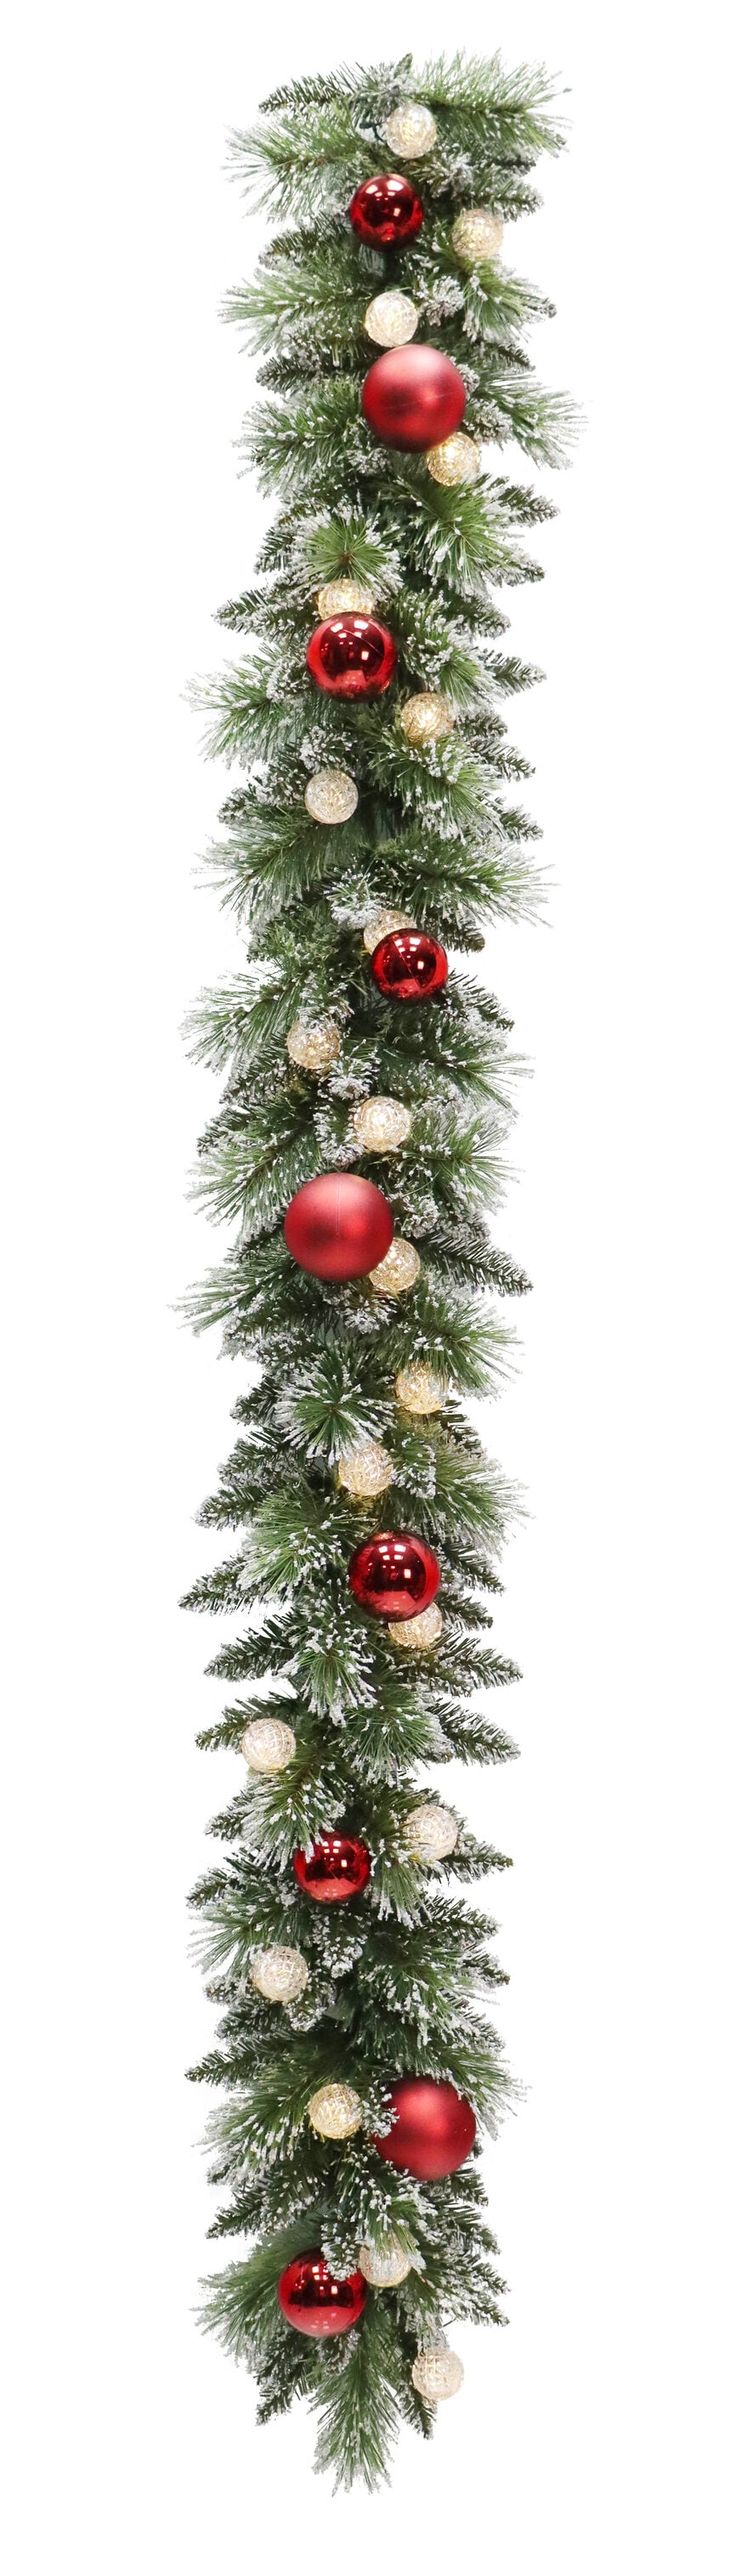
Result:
[382,926]
[366,1472]
[279,1973]
[410,131]
[430,1832]
[381,1123]
[437,2373]
[477,235]
[314,1044]
[421,1633]
[331,796]
[267,1745]
[455,462]
[427,717]
[419,1390]
[397,1272]
[384,2266]
[336,2112]
[391,319]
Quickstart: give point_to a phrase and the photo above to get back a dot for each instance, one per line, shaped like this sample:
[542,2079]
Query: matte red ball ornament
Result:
[414,397]
[434,2131]
[394,1574]
[337,1868]
[317,2302]
[409,966]
[385,211]
[351,656]
[338,1226]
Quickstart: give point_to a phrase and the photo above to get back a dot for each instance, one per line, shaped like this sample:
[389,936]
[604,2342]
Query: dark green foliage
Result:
[398,1978]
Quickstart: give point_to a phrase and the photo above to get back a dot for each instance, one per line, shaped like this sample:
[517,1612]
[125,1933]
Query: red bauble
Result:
[434,2132]
[351,656]
[338,1226]
[409,966]
[385,211]
[337,1867]
[394,1574]
[317,2302]
[414,397]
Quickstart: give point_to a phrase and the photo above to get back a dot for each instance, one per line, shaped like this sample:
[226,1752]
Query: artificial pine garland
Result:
[368,844]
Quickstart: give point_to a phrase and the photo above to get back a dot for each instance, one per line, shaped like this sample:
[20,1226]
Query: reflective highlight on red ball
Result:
[394,1574]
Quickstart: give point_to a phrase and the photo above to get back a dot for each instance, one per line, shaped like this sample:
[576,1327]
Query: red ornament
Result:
[317,2302]
[409,966]
[351,656]
[414,397]
[338,1226]
[434,2132]
[394,1574]
[385,211]
[338,1867]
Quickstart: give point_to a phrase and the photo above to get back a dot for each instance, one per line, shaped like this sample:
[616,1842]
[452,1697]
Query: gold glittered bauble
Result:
[279,1973]
[477,236]
[268,1744]
[437,2373]
[398,1270]
[345,594]
[366,1472]
[331,796]
[315,1045]
[381,927]
[391,319]
[421,1633]
[427,717]
[385,2266]
[430,1832]
[335,2112]
[411,131]
[381,1123]
[419,1391]
[454,461]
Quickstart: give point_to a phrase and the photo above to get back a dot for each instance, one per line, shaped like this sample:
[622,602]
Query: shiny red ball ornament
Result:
[352,656]
[386,211]
[406,965]
[338,1226]
[413,397]
[317,2302]
[337,1868]
[394,1574]
[434,2131]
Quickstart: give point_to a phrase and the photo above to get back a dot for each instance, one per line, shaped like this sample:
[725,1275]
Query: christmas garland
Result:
[368,844]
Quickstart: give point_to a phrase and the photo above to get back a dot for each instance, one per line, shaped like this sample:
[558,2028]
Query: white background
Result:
[599,2416]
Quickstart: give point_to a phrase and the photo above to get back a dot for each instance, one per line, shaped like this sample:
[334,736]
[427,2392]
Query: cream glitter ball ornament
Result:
[335,2112]
[411,131]
[279,1973]
[344,594]
[419,1391]
[398,1270]
[384,2266]
[382,926]
[430,1833]
[454,462]
[267,1744]
[315,1046]
[477,236]
[427,717]
[331,796]
[381,1123]
[391,319]
[437,2373]
[421,1633]
[366,1472]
